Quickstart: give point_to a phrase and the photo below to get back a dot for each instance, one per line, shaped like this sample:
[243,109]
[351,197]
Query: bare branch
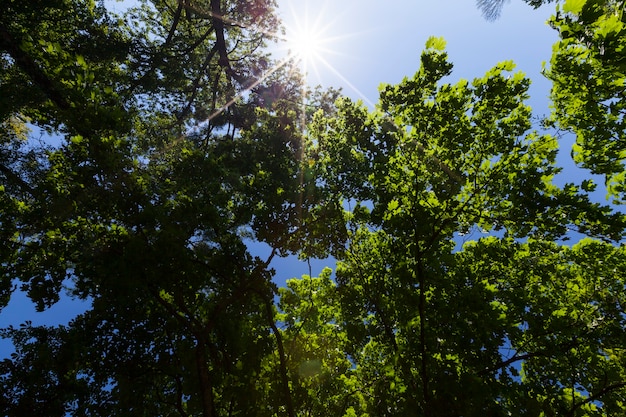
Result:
[491,9]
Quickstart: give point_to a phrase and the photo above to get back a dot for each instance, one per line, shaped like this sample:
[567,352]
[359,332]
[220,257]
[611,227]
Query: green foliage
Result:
[476,330]
[323,381]
[145,205]
[177,156]
[589,76]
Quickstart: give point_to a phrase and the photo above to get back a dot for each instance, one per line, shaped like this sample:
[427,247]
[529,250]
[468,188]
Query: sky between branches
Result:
[369,42]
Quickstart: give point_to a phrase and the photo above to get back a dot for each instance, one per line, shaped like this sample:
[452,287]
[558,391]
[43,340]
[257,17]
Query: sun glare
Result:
[311,40]
[305,41]
[307,37]
[306,45]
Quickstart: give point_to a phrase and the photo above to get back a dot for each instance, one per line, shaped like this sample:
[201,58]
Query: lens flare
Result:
[308,36]
[306,45]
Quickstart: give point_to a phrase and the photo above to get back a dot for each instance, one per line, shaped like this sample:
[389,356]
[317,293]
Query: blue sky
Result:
[368,45]
[373,42]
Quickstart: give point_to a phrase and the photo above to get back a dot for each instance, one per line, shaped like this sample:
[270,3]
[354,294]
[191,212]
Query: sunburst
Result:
[306,46]
[314,36]
[308,40]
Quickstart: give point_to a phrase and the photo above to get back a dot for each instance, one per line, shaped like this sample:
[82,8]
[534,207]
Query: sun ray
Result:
[307,41]
[348,83]
[240,94]
[311,39]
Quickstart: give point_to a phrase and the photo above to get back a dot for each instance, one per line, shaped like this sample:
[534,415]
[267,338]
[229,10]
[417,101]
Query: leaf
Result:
[574,6]
[588,185]
[610,26]
[436,43]
[81,61]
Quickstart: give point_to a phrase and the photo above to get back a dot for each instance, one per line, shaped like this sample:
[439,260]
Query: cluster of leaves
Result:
[180,147]
[497,326]
[588,71]
[162,168]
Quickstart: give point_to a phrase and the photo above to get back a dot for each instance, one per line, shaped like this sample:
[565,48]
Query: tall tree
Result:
[164,170]
[179,145]
[498,326]
[588,71]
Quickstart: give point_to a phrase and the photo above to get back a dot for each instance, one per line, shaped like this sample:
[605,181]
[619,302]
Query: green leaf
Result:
[436,43]
[574,6]
[81,61]
[588,185]
[610,26]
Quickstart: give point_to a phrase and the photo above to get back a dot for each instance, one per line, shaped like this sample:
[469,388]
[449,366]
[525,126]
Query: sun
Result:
[306,45]
[314,38]
[307,37]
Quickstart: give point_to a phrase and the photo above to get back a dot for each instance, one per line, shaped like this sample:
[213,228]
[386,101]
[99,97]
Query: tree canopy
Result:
[175,147]
[588,70]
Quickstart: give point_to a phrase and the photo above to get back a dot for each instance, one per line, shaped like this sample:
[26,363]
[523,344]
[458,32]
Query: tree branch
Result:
[206,389]
[14,178]
[281,356]
[196,85]
[30,67]
[421,275]
[596,396]
[217,19]
[175,21]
